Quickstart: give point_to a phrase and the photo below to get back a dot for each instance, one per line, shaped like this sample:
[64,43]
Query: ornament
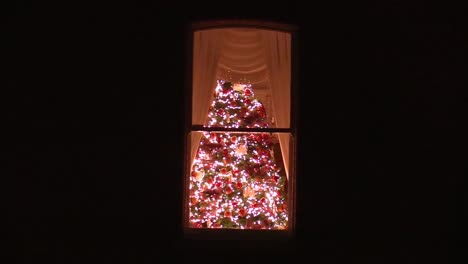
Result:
[238,87]
[275,179]
[196,224]
[212,136]
[282,208]
[227,214]
[223,171]
[242,212]
[198,175]
[241,149]
[249,192]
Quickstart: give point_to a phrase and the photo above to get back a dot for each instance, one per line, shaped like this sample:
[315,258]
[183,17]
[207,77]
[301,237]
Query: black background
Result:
[95,105]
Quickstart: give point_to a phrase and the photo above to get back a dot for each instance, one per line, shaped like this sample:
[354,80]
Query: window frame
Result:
[207,233]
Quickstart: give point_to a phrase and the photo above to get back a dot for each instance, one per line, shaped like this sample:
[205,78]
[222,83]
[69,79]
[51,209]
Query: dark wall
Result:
[95,107]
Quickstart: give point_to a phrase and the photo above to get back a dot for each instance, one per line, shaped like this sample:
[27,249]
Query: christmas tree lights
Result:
[235,180]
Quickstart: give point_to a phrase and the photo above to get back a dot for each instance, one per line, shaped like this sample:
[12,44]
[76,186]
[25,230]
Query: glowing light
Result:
[234,181]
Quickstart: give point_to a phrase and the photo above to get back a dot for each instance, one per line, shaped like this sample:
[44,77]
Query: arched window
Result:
[239,177]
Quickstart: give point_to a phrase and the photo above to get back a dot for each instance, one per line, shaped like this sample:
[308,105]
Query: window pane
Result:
[259,58]
[239,180]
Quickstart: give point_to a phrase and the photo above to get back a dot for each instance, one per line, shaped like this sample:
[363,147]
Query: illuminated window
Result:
[240,134]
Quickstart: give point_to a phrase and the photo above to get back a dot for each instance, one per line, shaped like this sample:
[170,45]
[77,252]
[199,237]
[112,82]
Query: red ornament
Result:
[248,92]
[196,225]
[242,212]
[228,190]
[212,136]
[281,208]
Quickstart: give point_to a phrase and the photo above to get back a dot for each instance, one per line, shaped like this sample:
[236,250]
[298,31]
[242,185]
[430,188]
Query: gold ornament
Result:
[249,192]
[198,175]
[238,87]
[241,150]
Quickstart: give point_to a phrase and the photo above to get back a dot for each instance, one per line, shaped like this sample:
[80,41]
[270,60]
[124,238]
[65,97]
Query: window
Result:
[239,177]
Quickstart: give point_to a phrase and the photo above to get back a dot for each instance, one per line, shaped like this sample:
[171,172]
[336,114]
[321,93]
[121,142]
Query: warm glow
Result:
[235,181]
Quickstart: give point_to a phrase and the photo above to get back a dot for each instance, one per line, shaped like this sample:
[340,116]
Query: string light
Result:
[236,182]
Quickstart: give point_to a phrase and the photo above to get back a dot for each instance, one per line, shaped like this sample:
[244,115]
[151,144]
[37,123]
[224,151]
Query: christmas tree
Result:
[236,182]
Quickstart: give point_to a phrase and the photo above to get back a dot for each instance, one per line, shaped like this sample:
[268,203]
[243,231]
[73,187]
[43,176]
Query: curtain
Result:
[278,59]
[243,57]
[207,45]
[261,56]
